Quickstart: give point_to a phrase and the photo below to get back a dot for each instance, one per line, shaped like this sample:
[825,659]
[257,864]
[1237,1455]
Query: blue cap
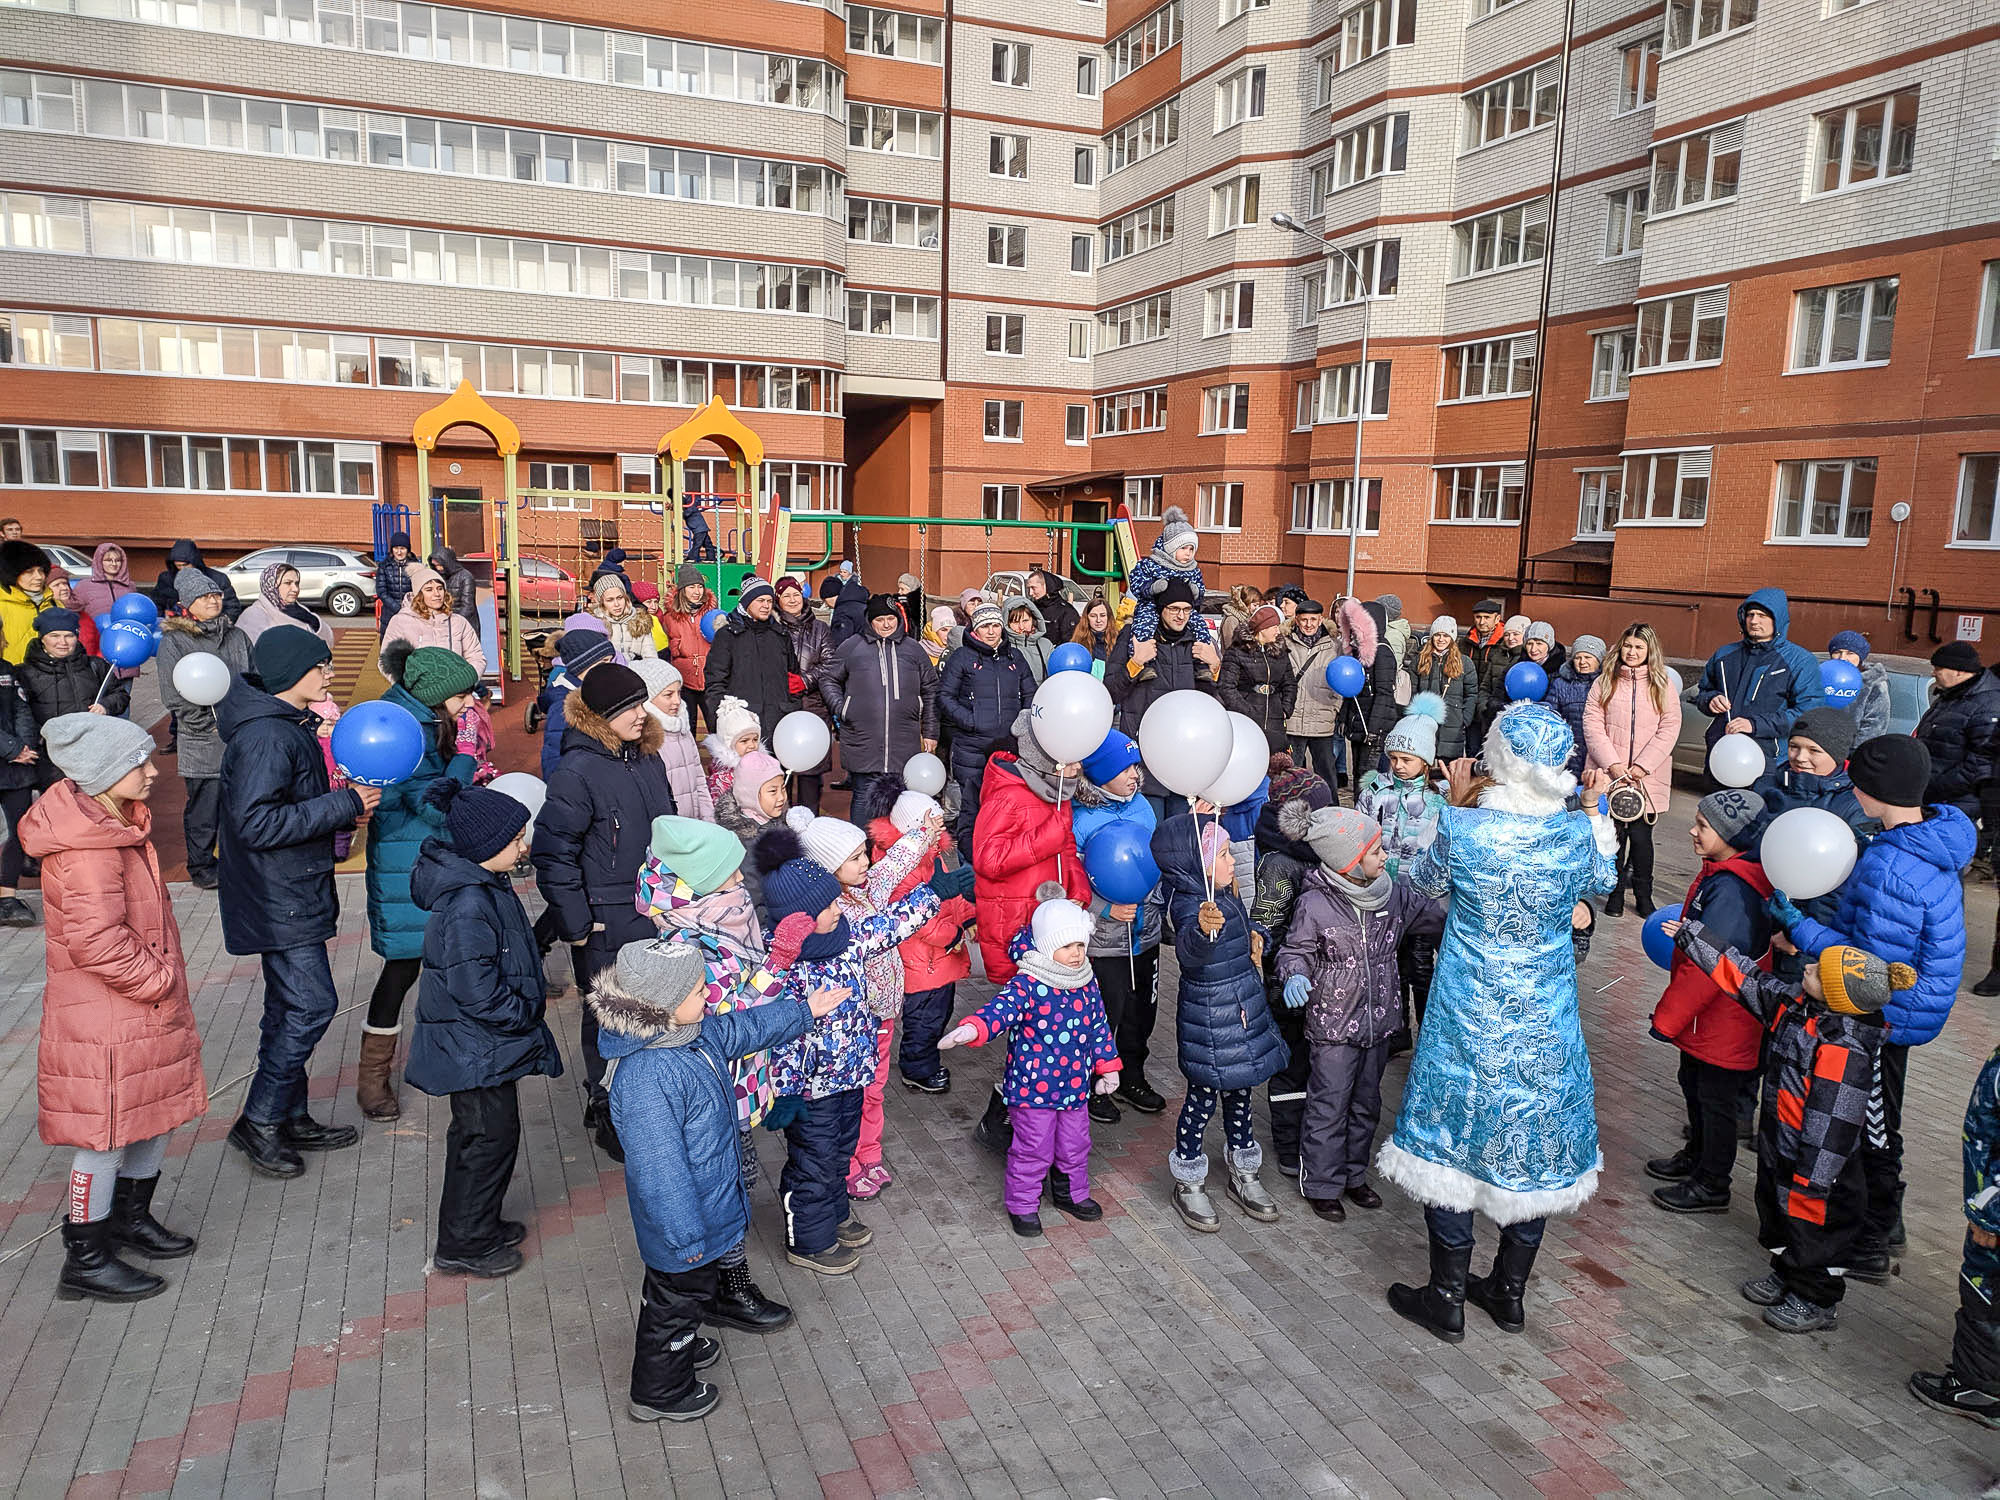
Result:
[1118,752]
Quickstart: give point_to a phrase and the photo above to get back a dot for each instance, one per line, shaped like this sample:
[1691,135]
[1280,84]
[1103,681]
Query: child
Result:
[1824,1043]
[756,800]
[1125,944]
[1719,1042]
[473,735]
[1405,803]
[1338,965]
[678,751]
[1059,1054]
[737,734]
[120,1061]
[1172,557]
[1284,859]
[1024,634]
[1228,1041]
[1970,1385]
[481,1026]
[1814,774]
[670,1097]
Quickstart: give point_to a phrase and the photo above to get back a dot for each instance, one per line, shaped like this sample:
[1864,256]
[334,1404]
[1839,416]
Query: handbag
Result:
[1626,802]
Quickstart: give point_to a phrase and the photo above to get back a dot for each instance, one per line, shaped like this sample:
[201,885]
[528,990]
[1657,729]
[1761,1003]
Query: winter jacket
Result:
[1058,1040]
[1981,1151]
[1034,649]
[812,644]
[885,692]
[1059,616]
[1174,667]
[448,629]
[1903,903]
[1348,956]
[464,588]
[1091,812]
[1785,789]
[481,998]
[97,593]
[729,814]
[1021,840]
[1478,656]
[18,732]
[17,620]
[687,647]
[392,586]
[1961,730]
[1396,635]
[634,636]
[1374,711]
[199,752]
[875,895]
[1631,731]
[1257,682]
[1770,684]
[120,1060]
[1871,705]
[981,691]
[1460,694]
[1407,812]
[1567,692]
[67,685]
[402,825]
[935,955]
[682,757]
[592,833]
[1149,576]
[279,816]
[850,611]
[754,660]
[260,616]
[167,598]
[555,719]
[1316,707]
[1695,1013]
[1500,659]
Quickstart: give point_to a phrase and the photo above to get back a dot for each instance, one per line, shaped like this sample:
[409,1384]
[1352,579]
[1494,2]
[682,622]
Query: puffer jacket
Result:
[1501,659]
[18,732]
[555,719]
[682,757]
[1060,618]
[812,643]
[1785,789]
[1375,712]
[1349,957]
[67,685]
[17,619]
[1022,840]
[592,833]
[167,598]
[402,825]
[1174,667]
[1871,705]
[199,752]
[1257,682]
[1566,695]
[103,588]
[1478,656]
[1632,730]
[1227,1037]
[874,896]
[481,999]
[1316,707]
[464,588]
[754,660]
[448,629]
[120,1059]
[1770,684]
[1903,903]
[1059,1041]
[634,636]
[981,691]
[1962,732]
[935,954]
[1406,811]
[886,695]
[1092,811]
[1034,649]
[850,610]
[1694,1013]
[687,647]
[1460,694]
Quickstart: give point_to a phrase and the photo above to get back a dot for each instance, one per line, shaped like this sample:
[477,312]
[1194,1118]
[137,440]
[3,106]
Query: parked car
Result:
[1012,581]
[336,579]
[1909,696]
[546,589]
[71,561]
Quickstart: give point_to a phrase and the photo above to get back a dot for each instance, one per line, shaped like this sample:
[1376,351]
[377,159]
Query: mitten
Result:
[959,1036]
[950,883]
[1211,919]
[1107,1083]
[788,1109]
[788,940]
[1298,989]
[1781,911]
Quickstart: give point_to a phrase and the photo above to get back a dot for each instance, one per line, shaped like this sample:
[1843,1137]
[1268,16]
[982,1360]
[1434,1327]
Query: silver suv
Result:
[335,579]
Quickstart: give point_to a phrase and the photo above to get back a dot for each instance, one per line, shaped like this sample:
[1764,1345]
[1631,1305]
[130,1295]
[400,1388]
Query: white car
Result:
[340,581]
[71,561]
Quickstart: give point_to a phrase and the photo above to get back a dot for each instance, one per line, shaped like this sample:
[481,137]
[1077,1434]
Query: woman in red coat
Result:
[120,1060]
[687,647]
[934,956]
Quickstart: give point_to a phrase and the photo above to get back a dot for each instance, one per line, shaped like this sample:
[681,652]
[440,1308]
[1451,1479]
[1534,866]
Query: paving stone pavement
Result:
[304,1350]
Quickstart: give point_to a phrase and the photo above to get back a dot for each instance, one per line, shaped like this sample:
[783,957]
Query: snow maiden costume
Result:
[1498,1114]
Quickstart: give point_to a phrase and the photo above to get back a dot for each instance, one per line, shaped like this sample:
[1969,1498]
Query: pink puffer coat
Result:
[1631,731]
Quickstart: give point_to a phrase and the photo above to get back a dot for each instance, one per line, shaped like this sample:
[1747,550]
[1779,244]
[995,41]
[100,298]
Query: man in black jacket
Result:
[983,689]
[392,578]
[279,816]
[884,688]
[1059,616]
[1141,671]
[1961,730]
[185,554]
[752,658]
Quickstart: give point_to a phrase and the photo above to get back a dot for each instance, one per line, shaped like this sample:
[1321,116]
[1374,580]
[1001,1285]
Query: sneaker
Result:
[1691,1197]
[706,1351]
[880,1177]
[1765,1291]
[938,1083]
[835,1260]
[1103,1111]
[14,912]
[1136,1093]
[1676,1168]
[512,1231]
[1947,1392]
[853,1233]
[1796,1315]
[692,1407]
[501,1260]
[862,1184]
[1027,1226]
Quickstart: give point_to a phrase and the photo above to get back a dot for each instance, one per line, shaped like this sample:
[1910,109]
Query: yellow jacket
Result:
[17,622]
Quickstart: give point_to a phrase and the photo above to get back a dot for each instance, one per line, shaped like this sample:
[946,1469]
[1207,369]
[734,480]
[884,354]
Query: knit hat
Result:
[908,583]
[421,575]
[1541,630]
[581,650]
[1850,640]
[605,583]
[1957,656]
[910,809]
[753,590]
[1832,729]
[1518,622]
[789,581]
[1109,760]
[95,750]
[1263,618]
[584,620]
[1733,812]
[432,674]
[831,842]
[688,573]
[1891,768]
[1057,924]
[400,539]
[612,689]
[986,613]
[1290,782]
[943,618]
[792,882]
[752,772]
[664,970]
[285,653]
[54,621]
[481,821]
[1392,606]
[702,854]
[1175,531]
[880,605]
[657,675]
[733,720]
[1443,625]
[1857,983]
[1587,645]
[191,584]
[1414,734]
[1174,591]
[1214,839]
[1488,607]
[1340,836]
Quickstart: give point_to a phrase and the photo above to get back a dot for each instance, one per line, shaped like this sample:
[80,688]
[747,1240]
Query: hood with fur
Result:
[1359,632]
[579,716]
[629,1022]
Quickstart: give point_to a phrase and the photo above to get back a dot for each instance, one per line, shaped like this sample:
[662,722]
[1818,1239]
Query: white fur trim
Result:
[1533,796]
[382,1030]
[1606,833]
[1446,1187]
[1191,1170]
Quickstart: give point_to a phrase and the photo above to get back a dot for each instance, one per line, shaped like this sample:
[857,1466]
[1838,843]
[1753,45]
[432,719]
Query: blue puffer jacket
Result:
[1566,695]
[1903,903]
[1770,683]
[1224,1028]
[481,999]
[980,693]
[397,832]
[555,720]
[591,836]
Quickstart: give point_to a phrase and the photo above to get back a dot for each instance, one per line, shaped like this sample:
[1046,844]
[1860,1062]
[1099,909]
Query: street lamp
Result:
[1363,391]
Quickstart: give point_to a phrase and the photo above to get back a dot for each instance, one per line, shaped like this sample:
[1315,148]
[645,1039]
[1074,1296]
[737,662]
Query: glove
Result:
[795,684]
[1107,1083]
[950,883]
[1257,950]
[1298,989]
[1211,919]
[786,1110]
[959,1036]
[1781,911]
[787,940]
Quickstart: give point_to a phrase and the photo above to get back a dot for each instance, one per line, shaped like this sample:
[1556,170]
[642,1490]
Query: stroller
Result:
[538,649]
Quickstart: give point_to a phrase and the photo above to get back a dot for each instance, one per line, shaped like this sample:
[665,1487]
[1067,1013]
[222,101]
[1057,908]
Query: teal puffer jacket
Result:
[396,835]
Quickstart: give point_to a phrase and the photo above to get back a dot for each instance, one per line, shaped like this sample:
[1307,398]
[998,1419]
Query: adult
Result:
[984,688]
[392,579]
[1244,600]
[1485,637]
[1498,1112]
[612,564]
[910,600]
[59,678]
[1870,707]
[1256,679]
[10,529]
[1094,633]
[630,627]
[24,582]
[1059,616]
[887,691]
[687,647]
[849,597]
[1371,713]
[1397,629]
[680,753]
[279,817]
[62,596]
[1025,635]
[110,580]
[1961,730]
[1540,646]
[463,587]
[277,603]
[20,773]
[1442,669]
[752,658]
[812,644]
[201,627]
[1631,720]
[183,555]
[431,685]
[1314,726]
[1569,687]
[427,619]
[1760,683]
[1501,658]
[1174,660]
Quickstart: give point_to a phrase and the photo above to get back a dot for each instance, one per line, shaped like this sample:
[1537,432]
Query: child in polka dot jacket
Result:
[1060,1043]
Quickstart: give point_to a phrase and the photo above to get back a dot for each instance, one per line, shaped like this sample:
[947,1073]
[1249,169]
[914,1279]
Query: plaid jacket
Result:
[1819,1068]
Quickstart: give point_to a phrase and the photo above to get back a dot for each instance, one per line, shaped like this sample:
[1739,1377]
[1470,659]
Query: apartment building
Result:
[1630,276]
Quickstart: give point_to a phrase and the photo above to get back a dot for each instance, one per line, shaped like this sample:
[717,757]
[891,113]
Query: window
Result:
[1225,408]
[638,474]
[1596,504]
[1373,270]
[1086,75]
[892,315]
[1312,296]
[1232,204]
[1489,371]
[1218,507]
[1501,240]
[1010,64]
[1370,150]
[893,132]
[1137,322]
[1338,390]
[1697,169]
[186,462]
[1003,422]
[1007,155]
[1684,330]
[55,340]
[1132,411]
[876,221]
[1611,363]
[888,33]
[1141,229]
[1366,30]
[1076,424]
[1007,245]
[1142,497]
[1079,254]
[1239,97]
[1231,9]
[1665,487]
[1228,308]
[1978,521]
[1137,139]
[1000,502]
[1868,142]
[1692,21]
[558,476]
[1512,106]
[1483,8]
[1079,338]
[1986,339]
[804,487]
[1084,171]
[1625,228]
[1842,326]
[1003,333]
[1138,45]
[1824,500]
[1305,403]
[1638,74]
[1322,506]
[1489,494]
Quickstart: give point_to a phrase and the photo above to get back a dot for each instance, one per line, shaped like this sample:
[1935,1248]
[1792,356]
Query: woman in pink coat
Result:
[428,619]
[1631,719]
[120,1060]
[678,750]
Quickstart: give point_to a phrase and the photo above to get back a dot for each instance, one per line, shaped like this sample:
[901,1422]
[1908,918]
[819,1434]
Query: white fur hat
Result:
[1058,923]
[911,809]
[831,842]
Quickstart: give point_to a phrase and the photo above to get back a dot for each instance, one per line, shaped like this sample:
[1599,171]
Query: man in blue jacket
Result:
[1759,685]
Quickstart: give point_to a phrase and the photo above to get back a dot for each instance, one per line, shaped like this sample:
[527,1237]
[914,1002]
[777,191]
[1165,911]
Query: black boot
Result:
[1500,1293]
[133,1224]
[1614,904]
[597,1120]
[739,1304]
[92,1269]
[265,1149]
[995,1130]
[1642,897]
[1088,1210]
[303,1133]
[1990,985]
[1440,1305]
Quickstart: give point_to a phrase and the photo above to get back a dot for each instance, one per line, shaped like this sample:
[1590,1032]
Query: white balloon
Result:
[1070,716]
[1249,763]
[202,678]
[924,773]
[800,741]
[1674,681]
[530,791]
[1736,760]
[1808,852]
[1185,740]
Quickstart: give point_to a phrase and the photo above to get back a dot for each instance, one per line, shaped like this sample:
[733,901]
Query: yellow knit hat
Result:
[1857,983]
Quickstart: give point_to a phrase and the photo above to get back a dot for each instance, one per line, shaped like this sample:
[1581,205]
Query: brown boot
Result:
[371,1087]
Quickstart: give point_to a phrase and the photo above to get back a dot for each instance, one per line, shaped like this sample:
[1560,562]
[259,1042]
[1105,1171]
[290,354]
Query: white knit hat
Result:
[1519,622]
[1056,924]
[831,842]
[911,809]
[1443,625]
[733,718]
[1414,734]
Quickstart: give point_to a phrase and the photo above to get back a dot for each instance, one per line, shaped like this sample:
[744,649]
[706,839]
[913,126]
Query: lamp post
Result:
[1363,390]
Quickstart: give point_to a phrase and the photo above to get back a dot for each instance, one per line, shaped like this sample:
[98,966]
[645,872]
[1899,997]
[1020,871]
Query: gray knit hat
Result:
[95,750]
[191,584]
[1340,836]
[1587,645]
[1541,630]
[1732,812]
[1392,606]
[688,573]
[663,970]
[605,584]
[1175,531]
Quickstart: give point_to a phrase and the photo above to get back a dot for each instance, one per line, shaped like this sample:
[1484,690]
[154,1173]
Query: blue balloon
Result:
[1119,861]
[1346,676]
[378,744]
[1070,656]
[1653,938]
[710,623]
[1841,681]
[1526,680]
[136,607]
[126,644]
[103,622]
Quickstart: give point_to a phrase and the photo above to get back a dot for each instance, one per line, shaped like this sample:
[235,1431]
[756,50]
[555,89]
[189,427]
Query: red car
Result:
[545,588]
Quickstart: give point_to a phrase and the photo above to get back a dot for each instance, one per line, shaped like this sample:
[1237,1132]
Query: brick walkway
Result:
[304,1350]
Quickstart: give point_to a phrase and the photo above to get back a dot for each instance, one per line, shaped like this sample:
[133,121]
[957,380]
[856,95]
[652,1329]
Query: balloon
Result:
[1675,682]
[800,741]
[378,743]
[1841,681]
[1808,852]
[1346,676]
[202,678]
[924,773]
[126,644]
[1526,679]
[136,607]
[1249,762]
[103,622]
[1185,740]
[710,623]
[1736,760]
[1071,715]
[1119,861]
[1070,657]
[530,791]
[1659,947]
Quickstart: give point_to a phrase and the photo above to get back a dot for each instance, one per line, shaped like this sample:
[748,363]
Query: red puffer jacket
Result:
[687,647]
[1018,842]
[120,1059]
[933,956]
[1694,1012]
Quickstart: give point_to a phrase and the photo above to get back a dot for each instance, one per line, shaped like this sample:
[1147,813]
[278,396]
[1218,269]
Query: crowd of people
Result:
[1420,871]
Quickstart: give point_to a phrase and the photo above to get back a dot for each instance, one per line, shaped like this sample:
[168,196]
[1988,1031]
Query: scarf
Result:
[676,725]
[1053,974]
[676,1035]
[1370,897]
[267,585]
[824,945]
[729,915]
